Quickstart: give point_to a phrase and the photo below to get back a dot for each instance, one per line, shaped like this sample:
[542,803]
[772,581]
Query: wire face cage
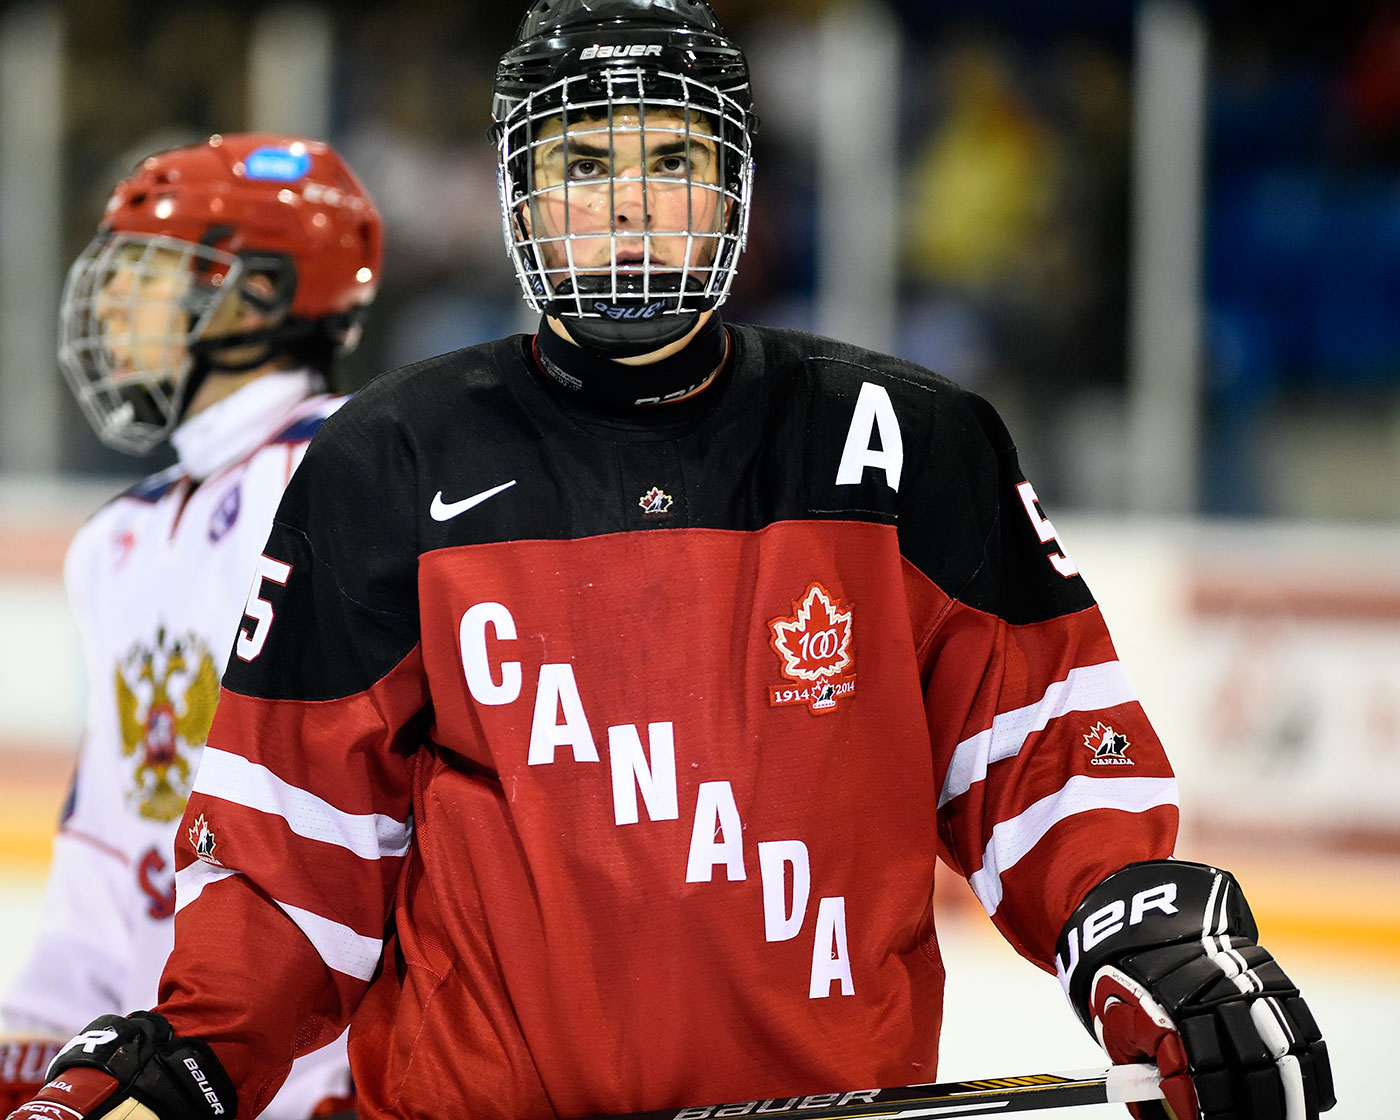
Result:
[625,193]
[132,307]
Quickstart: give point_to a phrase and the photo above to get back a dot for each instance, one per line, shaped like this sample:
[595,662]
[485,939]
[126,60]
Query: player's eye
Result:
[676,167]
[587,168]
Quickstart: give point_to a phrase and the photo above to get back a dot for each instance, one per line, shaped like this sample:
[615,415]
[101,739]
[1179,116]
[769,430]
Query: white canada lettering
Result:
[643,772]
[631,772]
[471,636]
[717,836]
[779,922]
[558,689]
[873,409]
[831,960]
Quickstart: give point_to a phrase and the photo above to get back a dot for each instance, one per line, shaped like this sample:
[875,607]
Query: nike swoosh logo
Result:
[446,511]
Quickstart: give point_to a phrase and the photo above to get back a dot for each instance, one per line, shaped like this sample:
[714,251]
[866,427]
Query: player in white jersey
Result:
[225,279]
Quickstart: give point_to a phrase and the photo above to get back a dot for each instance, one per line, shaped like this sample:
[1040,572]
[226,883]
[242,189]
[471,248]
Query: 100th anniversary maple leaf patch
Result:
[813,645]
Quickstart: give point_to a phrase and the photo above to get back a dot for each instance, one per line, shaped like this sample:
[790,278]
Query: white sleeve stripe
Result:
[1086,689]
[190,882]
[1013,839]
[233,778]
[338,945]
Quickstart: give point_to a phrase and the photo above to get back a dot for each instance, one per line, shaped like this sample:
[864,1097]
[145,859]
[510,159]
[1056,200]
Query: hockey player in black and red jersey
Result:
[607,697]
[208,311]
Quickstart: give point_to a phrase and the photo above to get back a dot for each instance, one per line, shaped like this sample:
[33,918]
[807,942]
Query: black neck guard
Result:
[611,385]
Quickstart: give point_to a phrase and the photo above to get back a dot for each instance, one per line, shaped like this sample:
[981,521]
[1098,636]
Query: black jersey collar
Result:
[613,387]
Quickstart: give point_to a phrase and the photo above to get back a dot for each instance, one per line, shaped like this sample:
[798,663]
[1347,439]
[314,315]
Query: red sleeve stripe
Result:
[1014,839]
[339,946]
[1089,688]
[234,778]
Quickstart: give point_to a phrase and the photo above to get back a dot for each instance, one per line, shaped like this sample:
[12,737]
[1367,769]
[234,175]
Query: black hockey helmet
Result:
[597,78]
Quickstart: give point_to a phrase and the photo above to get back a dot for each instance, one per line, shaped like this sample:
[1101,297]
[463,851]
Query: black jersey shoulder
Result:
[836,372]
[952,485]
[771,449]
[438,432]
[406,429]
[347,537]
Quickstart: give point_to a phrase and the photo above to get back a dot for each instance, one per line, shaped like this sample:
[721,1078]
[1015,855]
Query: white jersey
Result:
[158,579]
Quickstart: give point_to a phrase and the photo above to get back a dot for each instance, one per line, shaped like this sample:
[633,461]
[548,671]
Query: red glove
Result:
[83,1092]
[22,1065]
[1133,1027]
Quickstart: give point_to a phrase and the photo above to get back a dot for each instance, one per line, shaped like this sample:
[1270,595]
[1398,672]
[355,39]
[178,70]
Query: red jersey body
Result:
[589,764]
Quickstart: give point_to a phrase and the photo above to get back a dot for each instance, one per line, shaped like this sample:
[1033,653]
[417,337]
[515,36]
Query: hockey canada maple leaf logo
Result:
[1108,746]
[814,643]
[656,503]
[202,840]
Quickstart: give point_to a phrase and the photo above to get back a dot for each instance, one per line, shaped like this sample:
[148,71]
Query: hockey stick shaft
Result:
[992,1096]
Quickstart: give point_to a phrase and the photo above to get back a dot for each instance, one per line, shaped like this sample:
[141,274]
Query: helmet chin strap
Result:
[604,382]
[625,320]
[622,338]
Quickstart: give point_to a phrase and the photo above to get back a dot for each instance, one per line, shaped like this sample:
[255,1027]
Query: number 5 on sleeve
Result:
[250,642]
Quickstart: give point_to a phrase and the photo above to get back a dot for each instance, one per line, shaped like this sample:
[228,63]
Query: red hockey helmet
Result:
[285,208]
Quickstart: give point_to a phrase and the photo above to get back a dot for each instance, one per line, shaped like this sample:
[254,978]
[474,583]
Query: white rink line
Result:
[1006,1017]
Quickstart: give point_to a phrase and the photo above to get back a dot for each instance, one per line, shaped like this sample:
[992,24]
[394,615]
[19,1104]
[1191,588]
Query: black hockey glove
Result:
[133,1068]
[1161,963]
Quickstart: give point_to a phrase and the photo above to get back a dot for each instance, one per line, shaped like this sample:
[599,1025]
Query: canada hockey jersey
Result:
[591,764]
[157,580]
